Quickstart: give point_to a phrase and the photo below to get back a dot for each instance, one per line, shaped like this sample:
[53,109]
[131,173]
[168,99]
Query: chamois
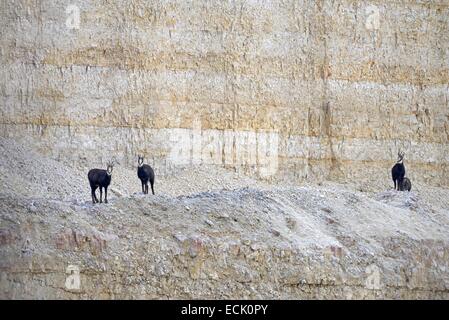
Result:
[398,172]
[100,178]
[145,174]
[406,184]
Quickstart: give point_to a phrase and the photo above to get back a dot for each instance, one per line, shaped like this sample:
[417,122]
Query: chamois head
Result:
[110,166]
[400,156]
[140,160]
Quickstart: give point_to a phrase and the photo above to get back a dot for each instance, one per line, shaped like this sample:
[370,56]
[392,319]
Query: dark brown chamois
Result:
[145,174]
[100,178]
[398,172]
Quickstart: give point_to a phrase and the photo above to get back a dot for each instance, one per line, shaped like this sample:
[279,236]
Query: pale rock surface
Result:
[214,234]
[272,127]
[282,90]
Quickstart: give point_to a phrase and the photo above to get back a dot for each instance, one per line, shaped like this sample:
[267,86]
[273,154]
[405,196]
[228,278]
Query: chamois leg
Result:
[143,187]
[394,184]
[146,187]
[106,195]
[95,194]
[94,197]
[101,194]
[152,189]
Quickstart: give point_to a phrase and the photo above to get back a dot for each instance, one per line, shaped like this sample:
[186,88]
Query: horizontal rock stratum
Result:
[288,90]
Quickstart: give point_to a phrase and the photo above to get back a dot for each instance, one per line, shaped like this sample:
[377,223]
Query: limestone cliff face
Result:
[285,89]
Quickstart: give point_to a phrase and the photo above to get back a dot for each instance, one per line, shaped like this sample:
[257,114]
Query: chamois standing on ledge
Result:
[100,178]
[145,174]
[398,172]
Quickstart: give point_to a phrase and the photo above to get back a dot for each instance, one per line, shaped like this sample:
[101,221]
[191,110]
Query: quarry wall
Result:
[278,89]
